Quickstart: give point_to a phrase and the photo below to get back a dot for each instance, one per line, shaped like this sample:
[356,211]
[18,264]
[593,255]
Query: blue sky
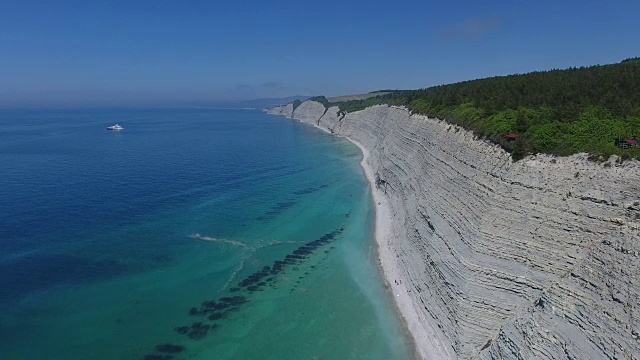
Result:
[160,52]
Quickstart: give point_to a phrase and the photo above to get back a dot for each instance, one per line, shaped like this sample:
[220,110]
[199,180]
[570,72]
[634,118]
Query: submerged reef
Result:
[221,308]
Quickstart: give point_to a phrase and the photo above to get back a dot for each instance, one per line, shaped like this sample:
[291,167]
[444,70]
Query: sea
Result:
[191,234]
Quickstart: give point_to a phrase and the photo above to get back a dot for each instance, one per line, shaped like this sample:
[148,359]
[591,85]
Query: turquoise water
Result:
[192,234]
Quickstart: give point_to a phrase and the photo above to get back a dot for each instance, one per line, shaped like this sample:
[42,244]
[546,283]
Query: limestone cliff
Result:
[537,259]
[286,110]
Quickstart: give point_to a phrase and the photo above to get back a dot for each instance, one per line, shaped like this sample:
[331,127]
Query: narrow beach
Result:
[422,332]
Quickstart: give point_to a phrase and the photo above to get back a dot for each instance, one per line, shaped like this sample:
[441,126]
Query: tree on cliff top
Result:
[558,111]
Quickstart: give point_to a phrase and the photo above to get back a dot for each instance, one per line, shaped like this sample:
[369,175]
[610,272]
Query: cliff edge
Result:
[535,259]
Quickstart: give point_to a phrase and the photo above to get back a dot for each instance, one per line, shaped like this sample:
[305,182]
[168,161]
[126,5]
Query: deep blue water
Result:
[109,239]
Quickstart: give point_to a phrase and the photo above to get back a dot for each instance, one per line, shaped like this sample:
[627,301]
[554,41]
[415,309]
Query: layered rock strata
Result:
[537,259]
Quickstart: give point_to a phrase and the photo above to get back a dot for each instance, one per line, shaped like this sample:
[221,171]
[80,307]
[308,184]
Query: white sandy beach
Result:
[424,335]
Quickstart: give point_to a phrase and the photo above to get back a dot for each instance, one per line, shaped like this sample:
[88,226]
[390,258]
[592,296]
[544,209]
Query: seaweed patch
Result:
[221,308]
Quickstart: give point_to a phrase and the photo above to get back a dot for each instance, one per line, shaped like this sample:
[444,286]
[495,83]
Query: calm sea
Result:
[192,234]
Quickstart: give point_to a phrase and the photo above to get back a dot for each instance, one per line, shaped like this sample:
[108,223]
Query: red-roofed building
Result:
[627,144]
[512,137]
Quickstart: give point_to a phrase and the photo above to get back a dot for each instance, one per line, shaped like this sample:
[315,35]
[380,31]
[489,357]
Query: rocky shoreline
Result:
[488,258]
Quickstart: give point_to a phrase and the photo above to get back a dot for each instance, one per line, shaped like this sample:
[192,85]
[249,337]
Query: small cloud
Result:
[471,29]
[273,85]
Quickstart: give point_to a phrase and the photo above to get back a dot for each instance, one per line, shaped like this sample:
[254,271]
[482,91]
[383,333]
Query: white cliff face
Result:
[286,110]
[309,112]
[331,119]
[536,259]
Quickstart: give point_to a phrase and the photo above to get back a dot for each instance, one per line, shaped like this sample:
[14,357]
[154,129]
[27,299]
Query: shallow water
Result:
[228,234]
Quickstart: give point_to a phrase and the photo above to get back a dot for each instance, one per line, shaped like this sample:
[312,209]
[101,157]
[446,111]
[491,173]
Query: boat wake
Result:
[224,241]
[259,245]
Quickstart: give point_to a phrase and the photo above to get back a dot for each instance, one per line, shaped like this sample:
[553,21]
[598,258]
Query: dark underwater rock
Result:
[209,304]
[170,348]
[182,329]
[235,300]
[197,334]
[217,316]
[157,357]
[198,331]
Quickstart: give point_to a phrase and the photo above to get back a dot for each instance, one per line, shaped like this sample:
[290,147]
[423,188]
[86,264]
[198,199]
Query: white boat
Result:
[115,127]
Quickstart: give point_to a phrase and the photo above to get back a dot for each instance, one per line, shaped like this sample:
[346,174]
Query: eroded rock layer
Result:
[538,259]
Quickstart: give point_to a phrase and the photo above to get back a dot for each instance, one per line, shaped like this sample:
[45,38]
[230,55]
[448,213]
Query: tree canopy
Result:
[560,112]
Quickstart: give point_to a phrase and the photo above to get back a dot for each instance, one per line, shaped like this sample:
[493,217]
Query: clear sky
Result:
[67,53]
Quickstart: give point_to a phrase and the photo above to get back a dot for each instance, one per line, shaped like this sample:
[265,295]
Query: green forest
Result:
[561,112]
